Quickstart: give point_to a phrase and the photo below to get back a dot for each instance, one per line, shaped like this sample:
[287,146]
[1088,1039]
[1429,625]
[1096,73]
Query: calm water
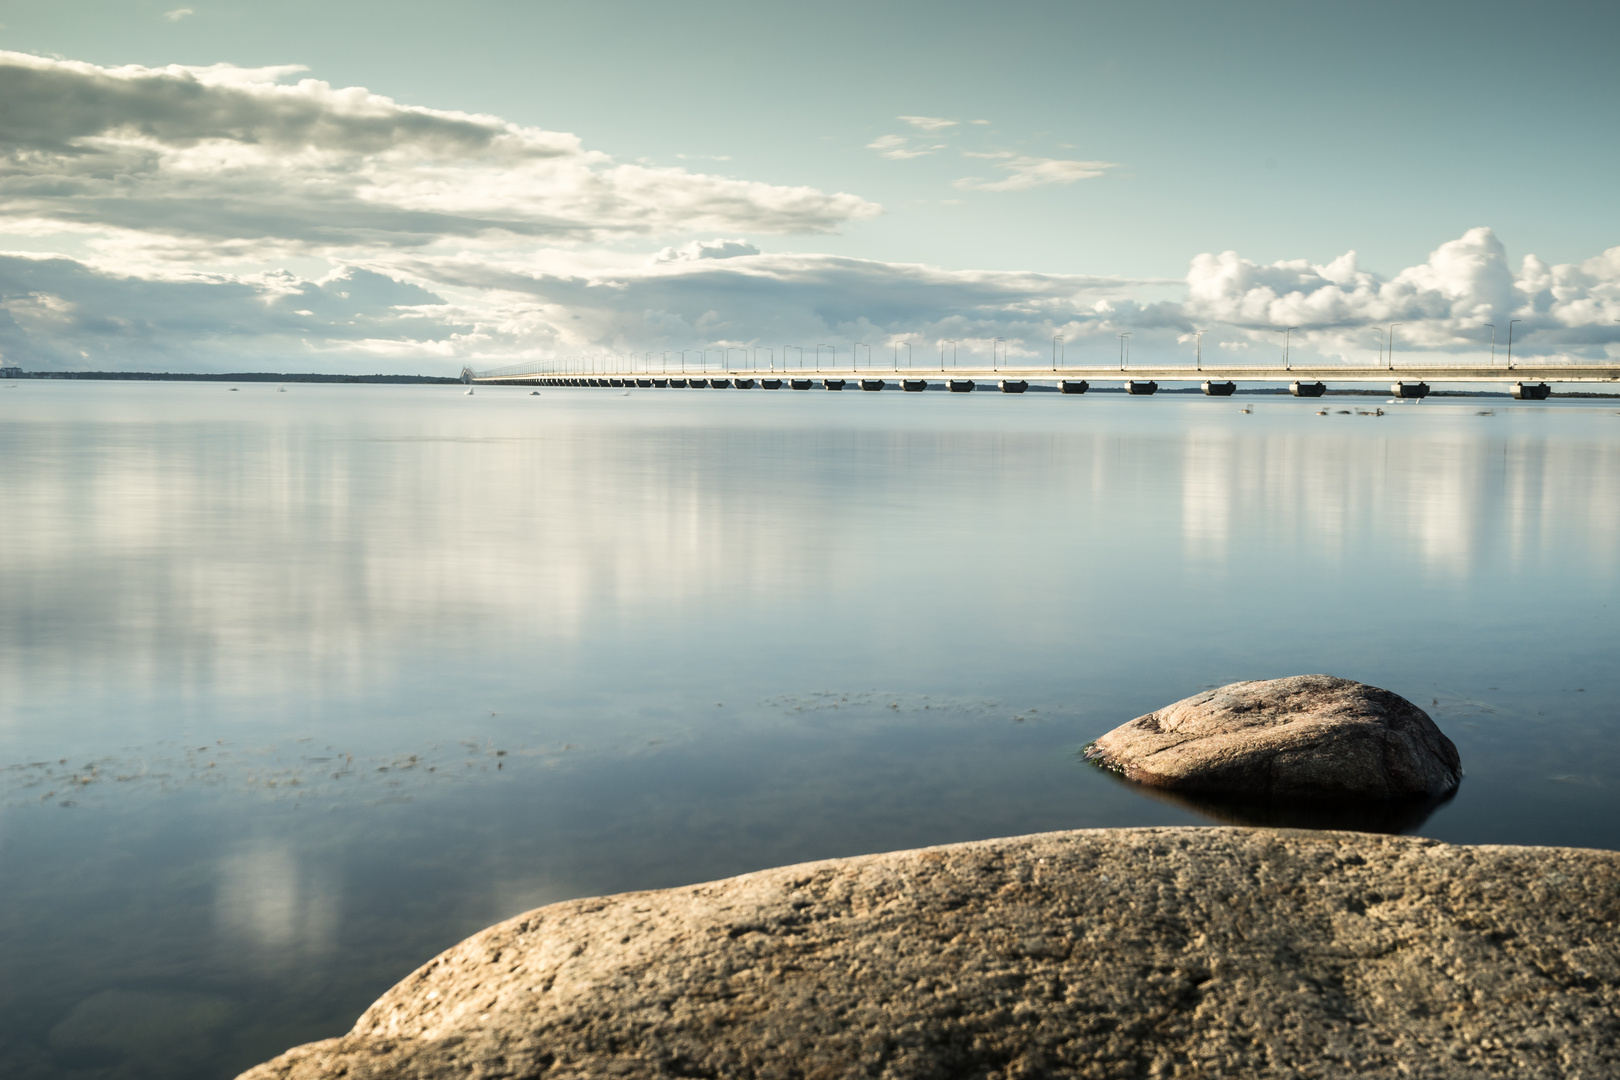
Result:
[298,688]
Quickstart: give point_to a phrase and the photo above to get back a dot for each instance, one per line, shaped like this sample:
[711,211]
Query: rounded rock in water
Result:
[1302,737]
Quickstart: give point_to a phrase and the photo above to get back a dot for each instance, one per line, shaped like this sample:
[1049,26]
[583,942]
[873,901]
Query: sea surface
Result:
[298,688]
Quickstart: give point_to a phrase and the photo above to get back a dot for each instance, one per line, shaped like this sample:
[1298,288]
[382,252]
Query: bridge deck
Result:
[1563,373]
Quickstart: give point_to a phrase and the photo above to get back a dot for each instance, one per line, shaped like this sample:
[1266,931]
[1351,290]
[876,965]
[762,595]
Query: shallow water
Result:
[298,688]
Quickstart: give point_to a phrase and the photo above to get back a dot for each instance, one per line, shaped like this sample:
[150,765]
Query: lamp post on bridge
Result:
[1380,331]
[897,345]
[1057,346]
[952,342]
[1198,349]
[785,349]
[1392,327]
[1286,333]
[1493,342]
[1510,341]
[1124,350]
[830,348]
[993,343]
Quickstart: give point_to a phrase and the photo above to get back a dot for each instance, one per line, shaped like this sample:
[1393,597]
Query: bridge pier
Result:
[1531,392]
[1307,389]
[832,384]
[873,384]
[914,385]
[1012,386]
[1074,386]
[1219,389]
[800,384]
[745,384]
[1410,389]
[959,386]
[770,384]
[1141,386]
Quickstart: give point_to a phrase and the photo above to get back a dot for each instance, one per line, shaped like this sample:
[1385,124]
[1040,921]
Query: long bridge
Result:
[1526,381]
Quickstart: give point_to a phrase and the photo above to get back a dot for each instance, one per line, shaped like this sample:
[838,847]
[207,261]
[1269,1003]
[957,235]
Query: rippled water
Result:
[298,688]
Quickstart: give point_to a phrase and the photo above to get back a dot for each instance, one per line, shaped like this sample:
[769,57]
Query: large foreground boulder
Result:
[1208,952]
[1303,737]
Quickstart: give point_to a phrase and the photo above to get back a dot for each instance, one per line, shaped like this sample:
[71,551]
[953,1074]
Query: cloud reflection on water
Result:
[249,556]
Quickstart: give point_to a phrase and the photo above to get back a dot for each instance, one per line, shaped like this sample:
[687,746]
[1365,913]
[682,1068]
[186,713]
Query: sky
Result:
[217,185]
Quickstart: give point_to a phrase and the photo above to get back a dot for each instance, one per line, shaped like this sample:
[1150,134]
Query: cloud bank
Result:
[211,156]
[447,238]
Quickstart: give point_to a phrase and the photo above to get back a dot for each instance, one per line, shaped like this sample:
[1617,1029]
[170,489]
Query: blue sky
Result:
[636,176]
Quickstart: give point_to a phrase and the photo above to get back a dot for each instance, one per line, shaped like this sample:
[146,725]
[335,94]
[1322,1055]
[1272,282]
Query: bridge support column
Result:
[1219,389]
[1410,389]
[1307,389]
[1141,386]
[1012,386]
[1074,386]
[959,386]
[1531,391]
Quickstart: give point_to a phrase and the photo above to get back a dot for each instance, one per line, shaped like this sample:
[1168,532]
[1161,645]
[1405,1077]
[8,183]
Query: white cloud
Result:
[178,13]
[705,249]
[439,238]
[1031,172]
[899,148]
[1444,303]
[929,123]
[436,311]
[235,156]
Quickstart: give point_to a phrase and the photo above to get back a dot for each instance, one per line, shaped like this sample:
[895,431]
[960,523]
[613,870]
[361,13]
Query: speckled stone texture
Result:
[1185,952]
[1303,737]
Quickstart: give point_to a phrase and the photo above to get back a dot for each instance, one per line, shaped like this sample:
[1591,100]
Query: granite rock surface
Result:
[1207,952]
[1303,737]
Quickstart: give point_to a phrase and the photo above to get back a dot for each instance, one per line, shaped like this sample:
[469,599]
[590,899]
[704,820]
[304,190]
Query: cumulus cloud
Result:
[232,155]
[178,13]
[706,249]
[1444,303]
[1031,172]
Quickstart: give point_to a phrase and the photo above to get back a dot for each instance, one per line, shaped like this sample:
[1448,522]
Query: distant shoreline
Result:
[238,376]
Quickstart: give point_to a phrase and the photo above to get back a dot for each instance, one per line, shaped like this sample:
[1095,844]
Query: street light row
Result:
[588,365]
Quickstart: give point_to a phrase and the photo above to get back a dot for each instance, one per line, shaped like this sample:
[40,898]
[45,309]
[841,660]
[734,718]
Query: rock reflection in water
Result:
[1394,816]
